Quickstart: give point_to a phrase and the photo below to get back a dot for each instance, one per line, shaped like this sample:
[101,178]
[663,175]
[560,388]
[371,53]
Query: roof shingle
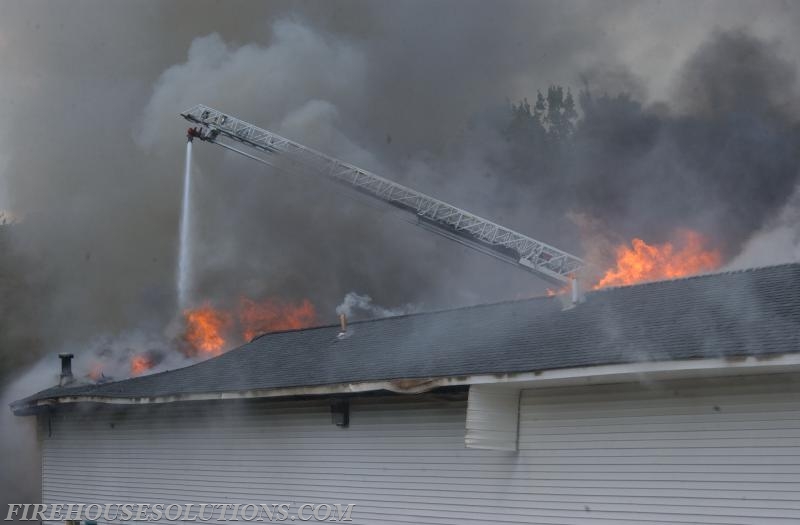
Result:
[749,312]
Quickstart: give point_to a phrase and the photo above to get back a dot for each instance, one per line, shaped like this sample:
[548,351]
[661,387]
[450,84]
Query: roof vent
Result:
[574,297]
[577,293]
[342,326]
[66,376]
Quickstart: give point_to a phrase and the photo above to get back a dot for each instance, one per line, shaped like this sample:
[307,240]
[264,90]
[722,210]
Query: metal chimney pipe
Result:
[66,369]
[576,291]
[342,324]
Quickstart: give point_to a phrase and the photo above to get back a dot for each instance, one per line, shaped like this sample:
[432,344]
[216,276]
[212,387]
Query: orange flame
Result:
[643,262]
[206,328]
[140,364]
[209,330]
[96,371]
[273,315]
[552,292]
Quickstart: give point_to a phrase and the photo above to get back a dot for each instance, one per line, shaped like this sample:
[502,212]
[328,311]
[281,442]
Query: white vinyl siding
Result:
[713,452]
[492,418]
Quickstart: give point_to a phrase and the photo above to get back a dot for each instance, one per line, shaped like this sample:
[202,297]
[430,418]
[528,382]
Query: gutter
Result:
[619,373]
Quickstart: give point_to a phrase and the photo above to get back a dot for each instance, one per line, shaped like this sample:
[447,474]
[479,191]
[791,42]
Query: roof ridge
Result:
[704,275]
[519,300]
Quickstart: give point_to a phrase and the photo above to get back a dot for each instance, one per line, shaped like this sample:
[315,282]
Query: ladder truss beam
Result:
[535,256]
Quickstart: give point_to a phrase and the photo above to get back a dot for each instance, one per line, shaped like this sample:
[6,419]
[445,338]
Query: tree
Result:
[561,114]
[541,106]
[524,123]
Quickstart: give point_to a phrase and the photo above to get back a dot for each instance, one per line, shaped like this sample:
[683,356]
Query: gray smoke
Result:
[681,126]
[355,304]
[720,158]
[777,241]
[93,159]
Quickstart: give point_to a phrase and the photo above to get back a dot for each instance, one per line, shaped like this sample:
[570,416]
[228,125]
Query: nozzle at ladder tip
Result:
[191,133]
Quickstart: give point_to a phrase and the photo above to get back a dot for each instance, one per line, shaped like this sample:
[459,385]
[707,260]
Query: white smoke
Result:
[270,85]
[18,443]
[777,242]
[354,302]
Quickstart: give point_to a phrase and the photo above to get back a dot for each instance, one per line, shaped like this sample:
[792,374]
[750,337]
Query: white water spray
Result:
[184,250]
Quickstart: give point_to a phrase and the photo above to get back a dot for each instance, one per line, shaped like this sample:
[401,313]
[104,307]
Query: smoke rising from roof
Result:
[416,99]
[354,304]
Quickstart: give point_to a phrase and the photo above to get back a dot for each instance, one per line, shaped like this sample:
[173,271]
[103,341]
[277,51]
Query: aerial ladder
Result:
[547,262]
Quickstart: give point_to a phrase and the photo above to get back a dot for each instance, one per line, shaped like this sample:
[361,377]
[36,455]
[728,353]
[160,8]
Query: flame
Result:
[210,331]
[96,371]
[642,262]
[273,315]
[552,292]
[206,328]
[140,364]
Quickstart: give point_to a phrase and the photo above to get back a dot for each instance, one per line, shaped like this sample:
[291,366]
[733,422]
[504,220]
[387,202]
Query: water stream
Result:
[184,270]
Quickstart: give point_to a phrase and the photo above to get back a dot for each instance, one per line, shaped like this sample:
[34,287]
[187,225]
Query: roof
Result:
[742,313]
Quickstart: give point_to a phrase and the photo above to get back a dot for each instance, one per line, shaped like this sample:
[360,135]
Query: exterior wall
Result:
[492,418]
[722,452]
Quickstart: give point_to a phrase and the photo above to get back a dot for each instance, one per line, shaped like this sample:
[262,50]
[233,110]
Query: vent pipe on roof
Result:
[575,295]
[66,376]
[342,324]
[576,291]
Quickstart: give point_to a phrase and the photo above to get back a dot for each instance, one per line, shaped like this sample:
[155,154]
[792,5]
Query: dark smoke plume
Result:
[721,158]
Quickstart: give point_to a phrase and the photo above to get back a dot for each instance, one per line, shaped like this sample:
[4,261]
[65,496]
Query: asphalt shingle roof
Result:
[749,312]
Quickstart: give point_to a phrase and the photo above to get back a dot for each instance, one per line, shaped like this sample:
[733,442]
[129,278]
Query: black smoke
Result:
[96,152]
[721,158]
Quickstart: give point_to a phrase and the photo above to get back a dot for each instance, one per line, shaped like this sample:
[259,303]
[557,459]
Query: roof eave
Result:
[615,373]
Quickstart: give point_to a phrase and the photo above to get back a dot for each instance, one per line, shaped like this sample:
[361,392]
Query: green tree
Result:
[561,114]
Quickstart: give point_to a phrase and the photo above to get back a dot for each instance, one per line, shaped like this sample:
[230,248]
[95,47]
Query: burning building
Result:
[700,135]
[668,402]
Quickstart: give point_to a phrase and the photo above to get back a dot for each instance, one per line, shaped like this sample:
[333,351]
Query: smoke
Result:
[20,479]
[100,204]
[106,357]
[719,158]
[354,302]
[681,126]
[778,241]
